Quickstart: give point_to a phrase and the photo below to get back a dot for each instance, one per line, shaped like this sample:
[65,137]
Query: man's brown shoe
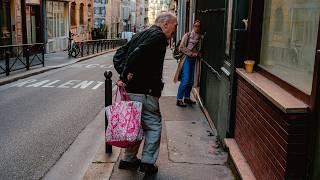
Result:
[148,169]
[129,165]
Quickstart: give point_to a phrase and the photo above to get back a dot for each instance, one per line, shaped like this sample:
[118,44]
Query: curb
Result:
[33,72]
[85,158]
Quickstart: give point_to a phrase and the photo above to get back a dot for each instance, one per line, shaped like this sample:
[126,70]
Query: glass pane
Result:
[33,29]
[288,46]
[56,18]
[63,19]
[49,20]
[28,22]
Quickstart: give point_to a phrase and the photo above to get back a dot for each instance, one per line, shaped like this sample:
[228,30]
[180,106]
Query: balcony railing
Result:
[95,46]
[18,57]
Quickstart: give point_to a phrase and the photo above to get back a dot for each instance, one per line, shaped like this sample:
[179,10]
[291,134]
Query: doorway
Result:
[33,24]
[5,23]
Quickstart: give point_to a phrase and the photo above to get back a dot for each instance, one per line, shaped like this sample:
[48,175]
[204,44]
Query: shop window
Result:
[81,14]
[73,14]
[289,38]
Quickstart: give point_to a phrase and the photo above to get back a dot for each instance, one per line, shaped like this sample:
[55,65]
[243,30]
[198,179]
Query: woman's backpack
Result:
[177,54]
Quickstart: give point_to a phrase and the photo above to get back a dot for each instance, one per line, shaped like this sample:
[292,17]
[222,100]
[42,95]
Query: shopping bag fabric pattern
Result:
[124,124]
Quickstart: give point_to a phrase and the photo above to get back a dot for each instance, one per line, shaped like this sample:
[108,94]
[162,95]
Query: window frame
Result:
[255,23]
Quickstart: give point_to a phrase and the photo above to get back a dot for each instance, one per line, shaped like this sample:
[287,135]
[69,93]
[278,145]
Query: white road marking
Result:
[23,83]
[38,83]
[65,85]
[75,84]
[49,84]
[99,84]
[90,66]
[83,84]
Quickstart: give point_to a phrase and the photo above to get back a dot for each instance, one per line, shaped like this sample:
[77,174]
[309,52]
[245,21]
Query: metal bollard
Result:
[108,101]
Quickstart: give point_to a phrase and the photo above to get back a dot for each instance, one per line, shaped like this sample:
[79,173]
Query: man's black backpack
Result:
[120,58]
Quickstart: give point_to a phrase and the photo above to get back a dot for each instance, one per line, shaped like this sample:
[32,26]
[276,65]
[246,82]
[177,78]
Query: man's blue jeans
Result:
[187,77]
[151,124]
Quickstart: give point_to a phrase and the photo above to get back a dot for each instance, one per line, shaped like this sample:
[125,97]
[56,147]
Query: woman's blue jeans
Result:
[187,77]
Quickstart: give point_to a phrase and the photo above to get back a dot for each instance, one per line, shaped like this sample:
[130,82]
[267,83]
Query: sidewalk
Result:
[51,61]
[189,147]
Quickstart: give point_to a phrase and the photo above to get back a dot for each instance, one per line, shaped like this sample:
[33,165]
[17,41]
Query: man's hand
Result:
[120,83]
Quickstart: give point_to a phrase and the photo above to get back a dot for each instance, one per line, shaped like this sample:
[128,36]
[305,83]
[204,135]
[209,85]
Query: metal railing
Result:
[95,46]
[17,57]
[215,72]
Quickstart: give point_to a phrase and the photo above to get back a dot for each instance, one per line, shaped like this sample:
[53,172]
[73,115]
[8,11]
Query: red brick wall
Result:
[273,143]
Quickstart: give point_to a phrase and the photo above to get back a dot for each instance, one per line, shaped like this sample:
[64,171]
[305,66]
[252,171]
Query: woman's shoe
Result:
[189,101]
[181,103]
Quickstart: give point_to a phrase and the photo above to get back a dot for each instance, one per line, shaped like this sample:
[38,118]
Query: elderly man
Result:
[142,77]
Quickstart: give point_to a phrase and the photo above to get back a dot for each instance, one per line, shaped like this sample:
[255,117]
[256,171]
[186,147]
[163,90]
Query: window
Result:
[73,14]
[89,10]
[50,19]
[63,18]
[56,19]
[289,38]
[103,12]
[81,14]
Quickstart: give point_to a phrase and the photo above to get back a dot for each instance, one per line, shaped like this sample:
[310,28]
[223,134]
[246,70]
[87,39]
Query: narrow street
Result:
[42,115]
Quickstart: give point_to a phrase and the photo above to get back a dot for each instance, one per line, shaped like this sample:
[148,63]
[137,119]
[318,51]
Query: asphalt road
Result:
[42,115]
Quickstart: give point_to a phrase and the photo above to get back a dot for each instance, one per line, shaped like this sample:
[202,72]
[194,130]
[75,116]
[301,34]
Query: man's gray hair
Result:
[164,17]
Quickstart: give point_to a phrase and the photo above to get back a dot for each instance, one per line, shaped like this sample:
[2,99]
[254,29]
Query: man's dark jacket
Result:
[145,61]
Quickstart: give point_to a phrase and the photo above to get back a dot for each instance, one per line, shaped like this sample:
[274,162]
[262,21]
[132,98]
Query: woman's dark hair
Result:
[196,21]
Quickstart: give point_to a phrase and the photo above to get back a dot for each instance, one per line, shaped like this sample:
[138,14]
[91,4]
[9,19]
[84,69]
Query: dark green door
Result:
[217,71]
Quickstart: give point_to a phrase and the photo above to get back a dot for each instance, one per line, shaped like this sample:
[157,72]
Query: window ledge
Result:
[277,95]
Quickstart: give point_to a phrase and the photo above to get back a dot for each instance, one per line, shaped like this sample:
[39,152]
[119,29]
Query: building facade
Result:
[65,17]
[57,25]
[126,15]
[113,18]
[21,22]
[271,114]
[81,19]
[99,13]
[155,7]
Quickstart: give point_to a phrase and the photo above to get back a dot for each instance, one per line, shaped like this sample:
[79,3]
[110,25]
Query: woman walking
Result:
[189,65]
